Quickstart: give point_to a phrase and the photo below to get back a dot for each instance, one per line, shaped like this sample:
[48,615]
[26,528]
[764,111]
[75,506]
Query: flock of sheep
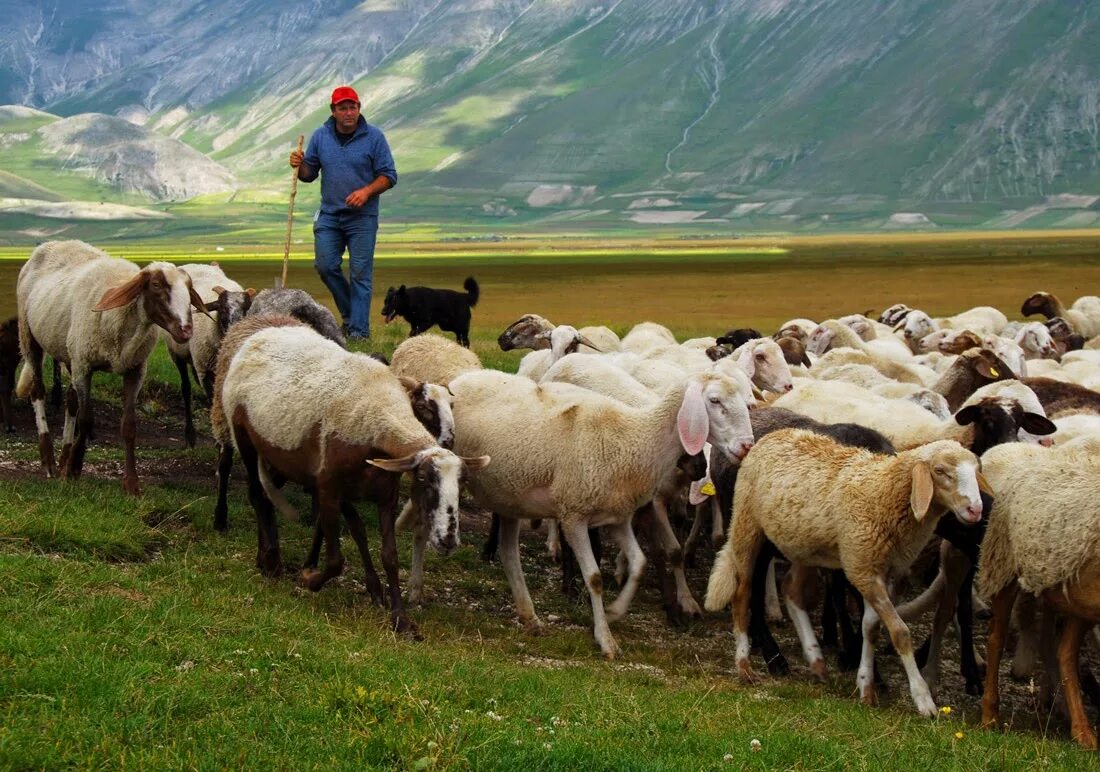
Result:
[842,447]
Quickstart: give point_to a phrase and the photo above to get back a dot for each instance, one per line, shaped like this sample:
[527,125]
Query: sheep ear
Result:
[411,384]
[198,303]
[747,361]
[692,422]
[476,463]
[983,484]
[123,294]
[396,464]
[920,495]
[583,341]
[1033,423]
[218,290]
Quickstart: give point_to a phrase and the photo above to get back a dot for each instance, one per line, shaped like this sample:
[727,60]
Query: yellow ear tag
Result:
[708,489]
[994,373]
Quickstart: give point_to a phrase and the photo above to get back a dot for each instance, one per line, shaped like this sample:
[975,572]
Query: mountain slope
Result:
[752,112]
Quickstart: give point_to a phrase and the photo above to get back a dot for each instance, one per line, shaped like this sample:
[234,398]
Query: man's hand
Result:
[296,157]
[357,198]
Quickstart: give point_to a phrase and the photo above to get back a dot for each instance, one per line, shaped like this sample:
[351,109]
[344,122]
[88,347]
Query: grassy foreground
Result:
[137,637]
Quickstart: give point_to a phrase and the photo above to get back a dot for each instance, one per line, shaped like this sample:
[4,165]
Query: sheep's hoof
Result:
[189,437]
[746,673]
[868,697]
[990,719]
[270,565]
[817,667]
[610,648]
[402,625]
[532,626]
[777,666]
[131,486]
[313,579]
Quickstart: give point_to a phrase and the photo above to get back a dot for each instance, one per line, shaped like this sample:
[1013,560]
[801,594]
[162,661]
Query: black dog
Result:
[422,307]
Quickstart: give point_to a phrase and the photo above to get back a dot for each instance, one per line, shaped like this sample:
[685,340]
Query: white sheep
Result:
[562,452]
[91,311]
[563,339]
[340,424]
[432,358]
[1043,537]
[645,335]
[832,334]
[834,506]
[200,353]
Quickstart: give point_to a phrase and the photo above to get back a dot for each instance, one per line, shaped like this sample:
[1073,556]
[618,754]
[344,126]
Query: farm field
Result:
[138,637]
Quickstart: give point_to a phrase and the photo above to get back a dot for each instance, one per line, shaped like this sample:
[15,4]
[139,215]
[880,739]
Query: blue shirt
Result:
[349,166]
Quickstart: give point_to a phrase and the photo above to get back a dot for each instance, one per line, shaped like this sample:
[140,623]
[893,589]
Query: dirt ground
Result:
[708,642]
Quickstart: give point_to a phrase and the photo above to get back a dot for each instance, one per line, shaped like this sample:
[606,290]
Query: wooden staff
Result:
[290,213]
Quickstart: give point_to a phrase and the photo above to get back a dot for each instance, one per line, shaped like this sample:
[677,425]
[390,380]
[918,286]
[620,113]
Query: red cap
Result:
[343,94]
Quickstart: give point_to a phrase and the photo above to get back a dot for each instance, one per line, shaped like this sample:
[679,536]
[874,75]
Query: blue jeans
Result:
[356,232]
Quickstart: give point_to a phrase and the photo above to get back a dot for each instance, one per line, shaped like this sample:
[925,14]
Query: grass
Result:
[136,636]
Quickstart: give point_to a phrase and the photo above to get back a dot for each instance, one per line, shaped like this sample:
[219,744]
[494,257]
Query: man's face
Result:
[347,116]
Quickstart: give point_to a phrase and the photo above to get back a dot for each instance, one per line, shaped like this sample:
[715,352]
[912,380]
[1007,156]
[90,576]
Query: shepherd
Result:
[356,167]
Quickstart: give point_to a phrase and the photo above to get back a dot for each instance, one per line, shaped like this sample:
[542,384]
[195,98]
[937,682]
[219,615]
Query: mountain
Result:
[602,113]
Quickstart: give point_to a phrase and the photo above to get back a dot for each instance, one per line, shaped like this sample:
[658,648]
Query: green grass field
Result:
[135,636]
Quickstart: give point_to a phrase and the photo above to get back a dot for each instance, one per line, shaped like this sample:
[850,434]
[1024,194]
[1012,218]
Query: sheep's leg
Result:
[490,550]
[131,384]
[553,540]
[185,392]
[410,517]
[995,644]
[359,534]
[56,388]
[954,566]
[771,596]
[623,533]
[68,433]
[1026,654]
[387,516]
[796,582]
[268,559]
[969,663]
[78,408]
[759,633]
[576,533]
[225,468]
[876,595]
[662,529]
[1069,649]
[745,545]
[328,521]
[314,554]
[35,355]
[513,571]
[693,535]
[865,676]
[717,525]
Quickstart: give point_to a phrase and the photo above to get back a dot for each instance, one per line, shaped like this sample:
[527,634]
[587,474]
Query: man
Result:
[357,167]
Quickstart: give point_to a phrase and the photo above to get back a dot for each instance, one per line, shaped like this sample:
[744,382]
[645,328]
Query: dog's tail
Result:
[474,292]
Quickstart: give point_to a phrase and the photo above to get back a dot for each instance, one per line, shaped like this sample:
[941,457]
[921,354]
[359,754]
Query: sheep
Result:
[1036,341]
[9,361]
[832,334]
[564,339]
[645,335]
[1061,399]
[1043,537]
[340,424]
[201,351]
[91,312]
[894,314]
[526,332]
[765,421]
[1083,316]
[984,320]
[301,305]
[826,504]
[585,460]
[908,425]
[432,359]
[763,361]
